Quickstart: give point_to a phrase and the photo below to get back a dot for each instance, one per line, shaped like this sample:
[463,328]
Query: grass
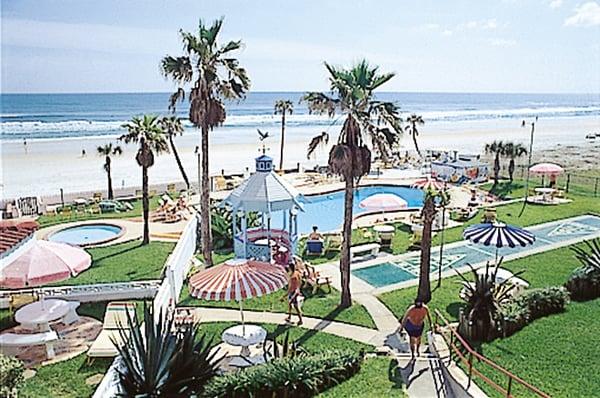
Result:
[378,377]
[123,262]
[320,305]
[558,354]
[47,220]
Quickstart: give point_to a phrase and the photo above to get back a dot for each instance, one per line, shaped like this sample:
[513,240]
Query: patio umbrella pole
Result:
[242,315]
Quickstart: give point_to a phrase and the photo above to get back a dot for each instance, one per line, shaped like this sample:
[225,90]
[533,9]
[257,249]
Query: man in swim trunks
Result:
[414,323]
[293,292]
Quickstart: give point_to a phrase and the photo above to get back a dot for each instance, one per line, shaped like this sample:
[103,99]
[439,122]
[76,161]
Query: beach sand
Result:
[45,166]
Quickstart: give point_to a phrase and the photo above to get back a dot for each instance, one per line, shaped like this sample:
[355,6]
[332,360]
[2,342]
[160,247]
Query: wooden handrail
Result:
[474,354]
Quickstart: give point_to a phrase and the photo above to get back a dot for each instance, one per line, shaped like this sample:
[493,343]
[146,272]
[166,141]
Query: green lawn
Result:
[47,220]
[123,262]
[378,377]
[320,305]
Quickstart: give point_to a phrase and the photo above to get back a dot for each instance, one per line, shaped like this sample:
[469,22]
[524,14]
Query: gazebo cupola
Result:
[269,195]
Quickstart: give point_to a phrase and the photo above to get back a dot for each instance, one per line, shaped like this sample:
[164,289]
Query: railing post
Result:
[596,187]
[470,369]
[509,387]
[568,182]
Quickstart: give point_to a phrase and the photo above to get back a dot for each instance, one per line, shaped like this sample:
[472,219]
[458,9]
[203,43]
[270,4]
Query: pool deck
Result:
[549,236]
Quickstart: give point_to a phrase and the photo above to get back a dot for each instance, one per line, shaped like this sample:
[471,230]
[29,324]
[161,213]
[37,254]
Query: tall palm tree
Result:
[513,151]
[148,133]
[213,75]
[108,150]
[495,148]
[364,117]
[412,121]
[282,107]
[172,127]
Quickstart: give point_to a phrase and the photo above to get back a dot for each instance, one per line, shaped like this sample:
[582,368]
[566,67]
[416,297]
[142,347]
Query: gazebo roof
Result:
[264,191]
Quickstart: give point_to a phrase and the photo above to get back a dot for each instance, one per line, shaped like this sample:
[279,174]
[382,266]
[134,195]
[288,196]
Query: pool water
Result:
[383,274]
[327,211]
[85,235]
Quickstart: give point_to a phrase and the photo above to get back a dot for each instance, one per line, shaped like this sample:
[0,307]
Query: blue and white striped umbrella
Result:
[499,235]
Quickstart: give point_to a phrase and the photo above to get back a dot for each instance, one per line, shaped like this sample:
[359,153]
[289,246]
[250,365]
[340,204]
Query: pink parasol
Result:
[429,183]
[237,279]
[546,169]
[383,202]
[40,262]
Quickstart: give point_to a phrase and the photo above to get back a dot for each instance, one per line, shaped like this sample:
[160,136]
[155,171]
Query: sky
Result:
[533,46]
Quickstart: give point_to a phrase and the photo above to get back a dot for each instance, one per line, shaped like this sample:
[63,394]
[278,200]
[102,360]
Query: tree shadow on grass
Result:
[454,308]
[395,375]
[117,253]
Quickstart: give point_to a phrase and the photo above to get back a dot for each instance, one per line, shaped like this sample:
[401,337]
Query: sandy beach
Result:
[45,166]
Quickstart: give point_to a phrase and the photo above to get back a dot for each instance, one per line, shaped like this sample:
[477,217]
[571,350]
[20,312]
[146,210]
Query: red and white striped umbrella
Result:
[383,202]
[546,169]
[429,183]
[237,279]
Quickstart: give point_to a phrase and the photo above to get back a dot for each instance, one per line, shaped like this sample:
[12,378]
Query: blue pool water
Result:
[84,235]
[327,211]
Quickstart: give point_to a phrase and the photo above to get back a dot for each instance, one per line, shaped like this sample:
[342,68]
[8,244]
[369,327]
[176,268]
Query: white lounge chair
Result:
[371,248]
[114,317]
[11,342]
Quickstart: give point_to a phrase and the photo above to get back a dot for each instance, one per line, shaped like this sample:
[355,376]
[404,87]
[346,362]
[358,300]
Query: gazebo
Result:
[264,192]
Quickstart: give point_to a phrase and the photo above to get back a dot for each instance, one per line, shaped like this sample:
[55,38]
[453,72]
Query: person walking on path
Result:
[414,323]
[293,293]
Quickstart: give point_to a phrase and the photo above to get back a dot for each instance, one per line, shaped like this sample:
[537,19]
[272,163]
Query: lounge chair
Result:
[115,317]
[97,197]
[314,247]
[11,342]
[314,278]
[333,242]
[489,215]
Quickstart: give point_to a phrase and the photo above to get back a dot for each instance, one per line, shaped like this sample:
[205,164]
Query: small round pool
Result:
[87,234]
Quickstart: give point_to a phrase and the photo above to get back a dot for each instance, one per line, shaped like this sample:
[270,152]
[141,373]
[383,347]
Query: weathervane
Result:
[262,137]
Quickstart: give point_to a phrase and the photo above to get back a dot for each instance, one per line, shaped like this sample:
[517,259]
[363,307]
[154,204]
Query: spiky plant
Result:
[289,348]
[158,362]
[584,283]
[484,297]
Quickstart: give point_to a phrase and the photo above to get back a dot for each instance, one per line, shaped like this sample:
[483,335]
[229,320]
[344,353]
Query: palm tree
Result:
[364,117]
[172,127]
[496,148]
[151,138]
[428,215]
[413,120]
[513,151]
[282,107]
[213,75]
[108,150]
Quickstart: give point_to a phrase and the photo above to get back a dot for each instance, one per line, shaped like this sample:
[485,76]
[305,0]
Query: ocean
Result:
[51,116]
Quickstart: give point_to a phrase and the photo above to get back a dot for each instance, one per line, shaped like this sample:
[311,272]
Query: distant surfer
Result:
[25,144]
[83,153]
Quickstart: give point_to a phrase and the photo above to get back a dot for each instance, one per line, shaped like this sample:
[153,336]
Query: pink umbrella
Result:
[546,169]
[237,279]
[429,183]
[383,202]
[40,262]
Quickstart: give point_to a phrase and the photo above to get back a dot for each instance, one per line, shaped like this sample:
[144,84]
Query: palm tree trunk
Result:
[110,188]
[414,137]
[496,168]
[511,169]
[205,230]
[424,293]
[145,206]
[179,164]
[346,300]
[282,138]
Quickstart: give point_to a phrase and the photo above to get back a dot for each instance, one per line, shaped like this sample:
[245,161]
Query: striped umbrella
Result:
[429,183]
[499,235]
[237,279]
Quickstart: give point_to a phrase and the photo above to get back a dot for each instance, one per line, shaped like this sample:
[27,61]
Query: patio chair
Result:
[489,215]
[97,197]
[314,247]
[333,242]
[115,317]
[171,188]
[314,278]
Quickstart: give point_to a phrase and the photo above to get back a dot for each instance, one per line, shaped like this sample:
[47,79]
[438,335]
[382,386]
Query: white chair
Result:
[11,342]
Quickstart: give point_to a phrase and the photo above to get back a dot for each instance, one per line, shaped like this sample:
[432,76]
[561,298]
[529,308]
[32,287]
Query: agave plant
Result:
[289,348]
[589,260]
[158,362]
[484,297]
[584,283]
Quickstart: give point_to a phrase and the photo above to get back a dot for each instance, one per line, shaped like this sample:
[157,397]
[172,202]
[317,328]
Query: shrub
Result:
[11,376]
[300,376]
[542,302]
[584,283]
[514,316]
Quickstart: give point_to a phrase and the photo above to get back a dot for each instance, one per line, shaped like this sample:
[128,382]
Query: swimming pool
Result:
[383,274]
[87,235]
[327,210]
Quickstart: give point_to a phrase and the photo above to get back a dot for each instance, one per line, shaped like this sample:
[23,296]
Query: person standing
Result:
[293,293]
[414,323]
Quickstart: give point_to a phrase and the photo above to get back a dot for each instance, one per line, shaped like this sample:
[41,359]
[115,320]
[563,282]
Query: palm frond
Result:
[316,142]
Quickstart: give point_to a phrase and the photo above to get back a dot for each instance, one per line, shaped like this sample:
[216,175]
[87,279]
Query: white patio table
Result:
[39,314]
[244,336]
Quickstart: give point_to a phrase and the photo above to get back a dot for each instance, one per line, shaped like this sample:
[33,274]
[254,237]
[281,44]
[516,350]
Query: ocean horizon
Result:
[77,115]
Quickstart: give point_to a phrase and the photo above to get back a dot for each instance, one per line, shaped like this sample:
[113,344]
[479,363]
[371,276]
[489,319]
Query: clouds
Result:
[587,14]
[554,4]
[503,42]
